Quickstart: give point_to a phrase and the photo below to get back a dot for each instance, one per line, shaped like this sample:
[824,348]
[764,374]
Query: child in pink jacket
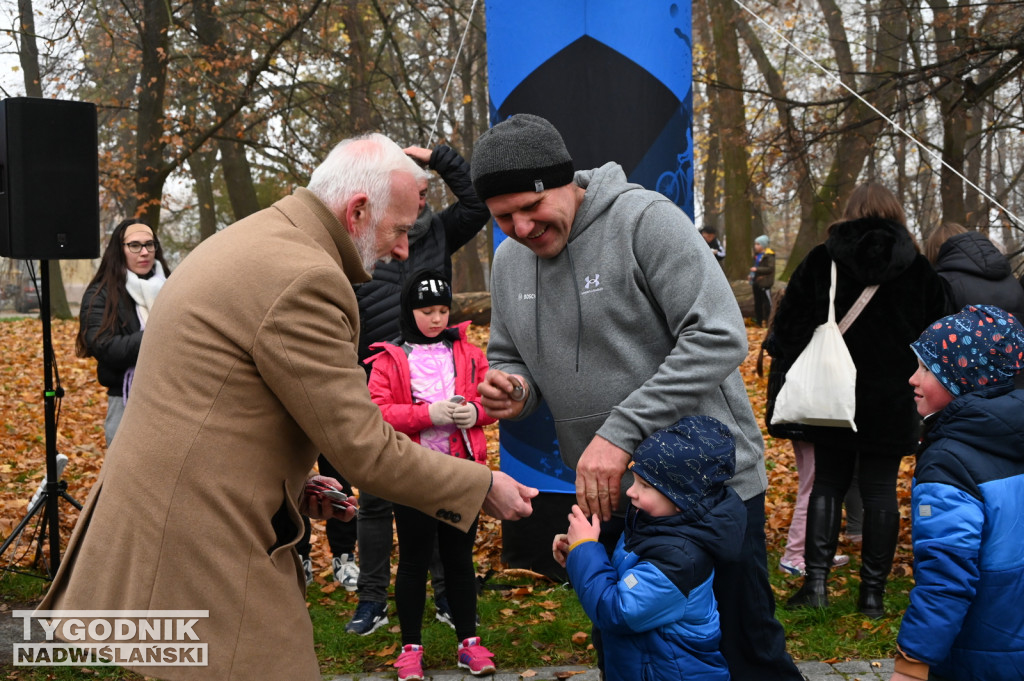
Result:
[425,384]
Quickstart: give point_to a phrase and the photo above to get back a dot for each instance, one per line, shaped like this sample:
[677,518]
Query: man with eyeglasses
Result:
[248,369]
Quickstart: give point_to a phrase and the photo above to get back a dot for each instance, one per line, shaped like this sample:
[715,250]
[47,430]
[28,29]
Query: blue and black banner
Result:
[615,78]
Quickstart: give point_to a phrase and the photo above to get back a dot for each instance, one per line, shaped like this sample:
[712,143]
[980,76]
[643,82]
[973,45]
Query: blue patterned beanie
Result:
[688,462]
[978,347]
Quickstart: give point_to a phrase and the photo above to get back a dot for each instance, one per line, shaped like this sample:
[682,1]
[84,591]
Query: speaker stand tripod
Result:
[53,489]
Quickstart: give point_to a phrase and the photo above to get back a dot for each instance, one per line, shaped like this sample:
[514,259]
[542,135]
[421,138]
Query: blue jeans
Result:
[115,410]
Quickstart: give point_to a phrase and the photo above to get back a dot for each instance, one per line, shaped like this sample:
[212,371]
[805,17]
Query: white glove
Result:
[464,415]
[441,413]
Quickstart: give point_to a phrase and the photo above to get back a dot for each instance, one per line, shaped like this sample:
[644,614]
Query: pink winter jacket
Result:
[390,388]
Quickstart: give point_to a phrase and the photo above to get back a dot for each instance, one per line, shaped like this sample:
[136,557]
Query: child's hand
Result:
[581,528]
[442,413]
[464,415]
[560,548]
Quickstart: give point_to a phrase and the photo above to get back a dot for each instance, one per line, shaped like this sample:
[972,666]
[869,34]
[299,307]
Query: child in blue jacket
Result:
[966,615]
[652,601]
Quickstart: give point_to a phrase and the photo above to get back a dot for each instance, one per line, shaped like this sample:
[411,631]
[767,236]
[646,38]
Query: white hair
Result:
[363,164]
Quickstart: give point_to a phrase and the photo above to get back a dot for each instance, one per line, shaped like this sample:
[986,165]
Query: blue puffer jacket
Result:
[653,601]
[966,614]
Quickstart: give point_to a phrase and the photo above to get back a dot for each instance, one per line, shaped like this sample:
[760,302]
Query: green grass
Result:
[839,632]
[531,625]
[535,624]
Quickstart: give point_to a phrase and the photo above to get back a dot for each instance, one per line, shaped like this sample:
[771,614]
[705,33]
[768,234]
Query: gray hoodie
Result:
[631,327]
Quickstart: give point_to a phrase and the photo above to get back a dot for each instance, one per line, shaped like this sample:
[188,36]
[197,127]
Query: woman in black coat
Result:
[871,245]
[114,310]
[976,271]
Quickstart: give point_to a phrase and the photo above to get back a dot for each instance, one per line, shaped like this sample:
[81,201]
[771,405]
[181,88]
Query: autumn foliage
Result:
[80,437]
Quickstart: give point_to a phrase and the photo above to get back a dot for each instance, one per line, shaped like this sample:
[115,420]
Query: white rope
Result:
[936,155]
[451,76]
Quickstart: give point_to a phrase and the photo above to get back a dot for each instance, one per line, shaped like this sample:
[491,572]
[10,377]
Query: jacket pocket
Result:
[287,525]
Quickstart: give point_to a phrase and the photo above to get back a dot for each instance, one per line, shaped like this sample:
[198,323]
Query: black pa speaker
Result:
[49,179]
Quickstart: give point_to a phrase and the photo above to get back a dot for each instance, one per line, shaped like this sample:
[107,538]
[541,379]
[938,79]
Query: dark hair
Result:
[110,276]
[872,200]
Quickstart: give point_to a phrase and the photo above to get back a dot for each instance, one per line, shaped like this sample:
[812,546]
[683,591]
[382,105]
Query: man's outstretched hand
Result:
[507,499]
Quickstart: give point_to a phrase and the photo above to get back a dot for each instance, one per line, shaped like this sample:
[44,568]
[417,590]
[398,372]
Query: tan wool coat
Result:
[248,368]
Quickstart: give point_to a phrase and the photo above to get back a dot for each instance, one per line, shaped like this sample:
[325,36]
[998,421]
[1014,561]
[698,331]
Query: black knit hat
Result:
[688,462]
[424,288]
[524,153]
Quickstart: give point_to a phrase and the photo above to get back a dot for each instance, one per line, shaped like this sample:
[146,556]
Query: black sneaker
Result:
[368,618]
[443,612]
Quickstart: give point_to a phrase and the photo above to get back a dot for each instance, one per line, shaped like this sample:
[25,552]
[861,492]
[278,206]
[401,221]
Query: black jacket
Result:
[979,274]
[910,296]
[432,242]
[116,353]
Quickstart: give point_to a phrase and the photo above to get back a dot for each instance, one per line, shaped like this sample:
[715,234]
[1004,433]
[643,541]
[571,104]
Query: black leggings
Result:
[877,475]
[416,533]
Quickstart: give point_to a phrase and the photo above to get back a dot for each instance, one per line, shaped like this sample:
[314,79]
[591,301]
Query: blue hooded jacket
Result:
[653,601]
[966,613]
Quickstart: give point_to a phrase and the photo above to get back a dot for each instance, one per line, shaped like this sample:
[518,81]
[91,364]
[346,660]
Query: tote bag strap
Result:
[858,305]
[832,296]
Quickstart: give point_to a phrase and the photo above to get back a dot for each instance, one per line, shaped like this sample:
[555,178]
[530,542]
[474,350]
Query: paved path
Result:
[858,670]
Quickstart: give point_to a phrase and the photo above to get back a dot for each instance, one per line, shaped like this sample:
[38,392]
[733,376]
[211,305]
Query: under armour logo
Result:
[595,281]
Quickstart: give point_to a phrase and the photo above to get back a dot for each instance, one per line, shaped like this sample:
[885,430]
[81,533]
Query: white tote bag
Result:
[820,387]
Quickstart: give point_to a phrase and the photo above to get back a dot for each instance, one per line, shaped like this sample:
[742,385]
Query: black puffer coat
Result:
[910,296]
[432,241]
[979,274]
[115,352]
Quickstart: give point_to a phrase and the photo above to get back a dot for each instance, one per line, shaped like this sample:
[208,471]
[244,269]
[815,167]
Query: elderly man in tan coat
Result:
[248,368]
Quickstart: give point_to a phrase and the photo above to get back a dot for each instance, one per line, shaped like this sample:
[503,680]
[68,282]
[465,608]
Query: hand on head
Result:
[599,476]
[418,154]
[502,395]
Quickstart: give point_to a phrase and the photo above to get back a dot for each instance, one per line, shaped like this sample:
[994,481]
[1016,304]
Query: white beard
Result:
[366,246]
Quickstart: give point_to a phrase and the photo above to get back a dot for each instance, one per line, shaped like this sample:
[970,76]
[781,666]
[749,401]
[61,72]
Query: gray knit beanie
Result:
[523,153]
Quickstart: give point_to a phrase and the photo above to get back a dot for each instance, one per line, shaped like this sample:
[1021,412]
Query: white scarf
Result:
[143,291]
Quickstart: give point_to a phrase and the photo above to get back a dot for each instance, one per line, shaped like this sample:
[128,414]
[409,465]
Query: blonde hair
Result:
[939,236]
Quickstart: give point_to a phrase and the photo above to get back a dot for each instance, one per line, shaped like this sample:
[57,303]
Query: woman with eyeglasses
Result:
[115,308]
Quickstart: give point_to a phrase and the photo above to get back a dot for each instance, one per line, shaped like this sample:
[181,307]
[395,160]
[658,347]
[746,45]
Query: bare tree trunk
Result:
[237,174]
[150,170]
[362,114]
[28,54]
[733,138]
[860,125]
[466,265]
[201,164]
[712,168]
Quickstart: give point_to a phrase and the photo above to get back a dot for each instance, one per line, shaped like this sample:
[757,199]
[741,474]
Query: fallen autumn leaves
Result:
[80,437]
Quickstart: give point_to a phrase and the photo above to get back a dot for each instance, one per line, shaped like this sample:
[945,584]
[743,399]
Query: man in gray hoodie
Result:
[608,305]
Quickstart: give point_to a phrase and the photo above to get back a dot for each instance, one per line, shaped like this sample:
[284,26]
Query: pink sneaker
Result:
[410,663]
[475,657]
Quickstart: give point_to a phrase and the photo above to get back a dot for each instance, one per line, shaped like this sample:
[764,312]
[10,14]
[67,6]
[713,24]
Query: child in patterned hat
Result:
[966,615]
[652,602]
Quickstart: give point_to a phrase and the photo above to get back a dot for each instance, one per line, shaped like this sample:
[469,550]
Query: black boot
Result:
[823,517]
[881,532]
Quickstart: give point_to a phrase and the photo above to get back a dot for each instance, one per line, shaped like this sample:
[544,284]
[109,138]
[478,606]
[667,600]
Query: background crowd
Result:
[590,259]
